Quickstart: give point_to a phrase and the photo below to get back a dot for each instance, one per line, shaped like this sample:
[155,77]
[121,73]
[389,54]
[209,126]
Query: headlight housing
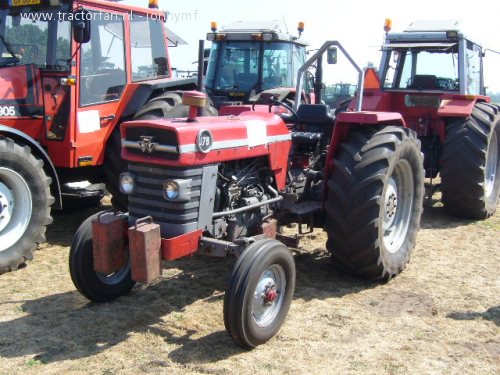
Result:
[127,183]
[171,190]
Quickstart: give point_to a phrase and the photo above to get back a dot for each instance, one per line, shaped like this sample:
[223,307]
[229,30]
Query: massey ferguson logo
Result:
[146,143]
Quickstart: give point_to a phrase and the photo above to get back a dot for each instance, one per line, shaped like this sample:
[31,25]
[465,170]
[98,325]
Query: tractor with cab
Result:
[250,57]
[71,71]
[432,74]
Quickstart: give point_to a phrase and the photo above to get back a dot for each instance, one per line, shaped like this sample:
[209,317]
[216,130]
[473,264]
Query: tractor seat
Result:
[424,82]
[315,114]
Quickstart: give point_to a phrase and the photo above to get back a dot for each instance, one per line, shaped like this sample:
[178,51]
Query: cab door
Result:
[101,78]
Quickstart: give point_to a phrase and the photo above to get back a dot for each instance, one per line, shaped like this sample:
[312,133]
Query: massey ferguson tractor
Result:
[433,76]
[70,73]
[224,185]
[250,57]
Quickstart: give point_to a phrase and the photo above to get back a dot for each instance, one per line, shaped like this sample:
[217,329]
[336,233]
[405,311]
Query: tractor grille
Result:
[175,218]
[164,141]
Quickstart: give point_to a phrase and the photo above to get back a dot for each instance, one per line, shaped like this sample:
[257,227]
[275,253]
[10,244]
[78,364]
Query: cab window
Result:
[102,67]
[148,49]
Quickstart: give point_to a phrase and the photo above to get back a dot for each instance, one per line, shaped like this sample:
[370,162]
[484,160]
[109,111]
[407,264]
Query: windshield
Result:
[247,66]
[420,69]
[40,37]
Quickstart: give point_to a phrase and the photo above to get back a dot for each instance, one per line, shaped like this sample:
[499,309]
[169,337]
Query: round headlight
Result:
[127,183]
[171,190]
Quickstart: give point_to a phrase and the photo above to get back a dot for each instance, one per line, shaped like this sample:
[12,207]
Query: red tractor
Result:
[433,76]
[71,72]
[223,186]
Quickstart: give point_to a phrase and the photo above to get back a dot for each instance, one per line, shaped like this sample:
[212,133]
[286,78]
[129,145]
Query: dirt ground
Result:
[441,315]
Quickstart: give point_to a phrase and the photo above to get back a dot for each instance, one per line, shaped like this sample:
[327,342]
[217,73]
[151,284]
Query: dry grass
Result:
[441,315]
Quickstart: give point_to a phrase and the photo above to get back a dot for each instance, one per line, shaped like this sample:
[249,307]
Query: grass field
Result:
[441,315]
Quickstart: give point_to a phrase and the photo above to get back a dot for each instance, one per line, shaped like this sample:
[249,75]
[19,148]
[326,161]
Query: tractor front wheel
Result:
[25,202]
[374,202]
[95,286]
[259,293]
[470,164]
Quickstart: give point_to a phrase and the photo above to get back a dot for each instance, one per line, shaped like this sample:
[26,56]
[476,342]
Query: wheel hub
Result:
[271,294]
[391,203]
[6,206]
[16,207]
[397,206]
[268,298]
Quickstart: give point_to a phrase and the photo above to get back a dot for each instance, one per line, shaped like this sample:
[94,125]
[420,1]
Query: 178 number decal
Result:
[7,111]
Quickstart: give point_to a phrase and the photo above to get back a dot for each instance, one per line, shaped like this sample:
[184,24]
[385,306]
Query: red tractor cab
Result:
[432,74]
[71,72]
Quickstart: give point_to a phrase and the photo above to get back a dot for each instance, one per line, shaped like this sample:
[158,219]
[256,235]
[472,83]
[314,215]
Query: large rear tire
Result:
[470,164]
[167,105]
[259,293]
[374,202]
[95,286]
[25,202]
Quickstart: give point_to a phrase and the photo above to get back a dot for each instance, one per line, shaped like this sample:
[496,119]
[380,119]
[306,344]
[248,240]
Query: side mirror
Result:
[332,55]
[81,26]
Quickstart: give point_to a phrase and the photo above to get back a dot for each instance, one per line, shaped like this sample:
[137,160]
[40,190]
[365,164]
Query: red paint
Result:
[180,246]
[223,129]
[271,295]
[14,82]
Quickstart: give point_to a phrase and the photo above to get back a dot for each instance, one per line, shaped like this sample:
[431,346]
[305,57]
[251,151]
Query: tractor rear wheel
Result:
[167,105]
[470,164]
[25,202]
[374,202]
[259,293]
[95,286]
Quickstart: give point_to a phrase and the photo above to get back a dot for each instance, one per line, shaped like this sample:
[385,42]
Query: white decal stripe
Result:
[222,145]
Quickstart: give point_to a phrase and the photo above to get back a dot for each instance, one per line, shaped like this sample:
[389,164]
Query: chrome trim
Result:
[158,147]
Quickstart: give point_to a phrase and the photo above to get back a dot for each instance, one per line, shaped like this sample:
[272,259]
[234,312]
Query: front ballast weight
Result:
[108,257]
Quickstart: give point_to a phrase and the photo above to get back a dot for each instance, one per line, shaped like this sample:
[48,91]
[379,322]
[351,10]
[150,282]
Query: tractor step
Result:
[304,211]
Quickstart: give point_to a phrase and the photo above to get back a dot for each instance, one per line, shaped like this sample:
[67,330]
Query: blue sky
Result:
[357,24]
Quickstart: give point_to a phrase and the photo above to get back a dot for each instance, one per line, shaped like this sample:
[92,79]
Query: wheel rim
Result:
[269,295]
[115,277]
[491,166]
[397,206]
[15,207]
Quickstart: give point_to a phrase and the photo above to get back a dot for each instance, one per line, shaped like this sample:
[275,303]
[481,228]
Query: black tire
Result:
[113,166]
[250,325]
[167,105]
[96,287]
[21,176]
[471,185]
[371,229]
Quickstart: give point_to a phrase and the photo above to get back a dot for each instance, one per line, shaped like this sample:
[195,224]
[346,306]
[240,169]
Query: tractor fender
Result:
[345,120]
[40,153]
[456,107]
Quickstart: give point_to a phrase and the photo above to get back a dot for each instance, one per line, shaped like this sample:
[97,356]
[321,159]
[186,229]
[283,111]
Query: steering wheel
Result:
[285,105]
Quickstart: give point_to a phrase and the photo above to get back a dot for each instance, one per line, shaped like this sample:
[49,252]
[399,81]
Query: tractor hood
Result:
[207,140]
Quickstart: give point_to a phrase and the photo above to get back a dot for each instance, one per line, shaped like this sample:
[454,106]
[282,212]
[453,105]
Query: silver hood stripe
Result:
[217,145]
